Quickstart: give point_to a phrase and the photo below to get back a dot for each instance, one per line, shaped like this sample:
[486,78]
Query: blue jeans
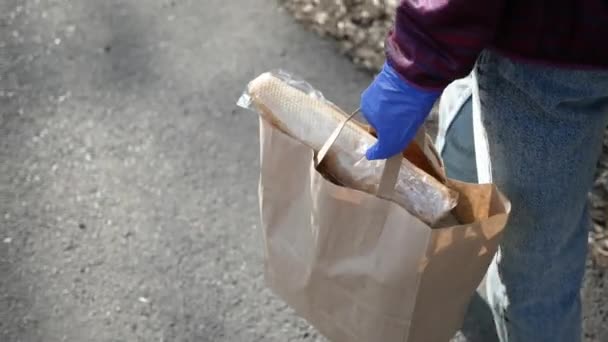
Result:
[545,128]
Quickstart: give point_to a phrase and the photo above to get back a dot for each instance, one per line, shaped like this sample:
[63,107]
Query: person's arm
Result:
[435,42]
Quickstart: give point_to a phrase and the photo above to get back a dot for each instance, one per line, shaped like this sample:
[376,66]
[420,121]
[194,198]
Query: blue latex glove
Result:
[396,110]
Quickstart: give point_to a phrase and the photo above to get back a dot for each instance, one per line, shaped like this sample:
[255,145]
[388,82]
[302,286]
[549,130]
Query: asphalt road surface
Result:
[128,180]
[128,177]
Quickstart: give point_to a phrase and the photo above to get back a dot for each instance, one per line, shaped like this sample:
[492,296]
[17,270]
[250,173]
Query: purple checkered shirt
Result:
[435,42]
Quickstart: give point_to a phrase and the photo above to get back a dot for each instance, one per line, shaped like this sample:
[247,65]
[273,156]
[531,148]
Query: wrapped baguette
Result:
[303,114]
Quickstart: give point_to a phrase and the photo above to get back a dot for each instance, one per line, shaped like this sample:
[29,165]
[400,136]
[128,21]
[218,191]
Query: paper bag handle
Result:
[392,165]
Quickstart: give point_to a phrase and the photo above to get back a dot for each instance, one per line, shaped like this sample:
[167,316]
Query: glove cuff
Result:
[390,75]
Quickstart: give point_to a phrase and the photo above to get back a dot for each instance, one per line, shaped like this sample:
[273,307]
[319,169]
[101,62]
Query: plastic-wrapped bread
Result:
[302,113]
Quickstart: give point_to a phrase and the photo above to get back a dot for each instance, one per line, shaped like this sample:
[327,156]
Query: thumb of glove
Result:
[386,147]
[374,152]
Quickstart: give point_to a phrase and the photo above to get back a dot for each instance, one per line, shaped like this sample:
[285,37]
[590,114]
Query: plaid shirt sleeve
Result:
[435,42]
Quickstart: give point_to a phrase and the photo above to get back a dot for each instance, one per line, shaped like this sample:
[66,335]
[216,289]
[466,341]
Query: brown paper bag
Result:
[360,268]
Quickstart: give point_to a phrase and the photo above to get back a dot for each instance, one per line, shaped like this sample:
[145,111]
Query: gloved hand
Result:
[396,110]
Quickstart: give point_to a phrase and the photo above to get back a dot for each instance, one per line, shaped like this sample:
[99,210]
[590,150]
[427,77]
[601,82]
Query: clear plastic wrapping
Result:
[245,101]
[299,110]
[363,169]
